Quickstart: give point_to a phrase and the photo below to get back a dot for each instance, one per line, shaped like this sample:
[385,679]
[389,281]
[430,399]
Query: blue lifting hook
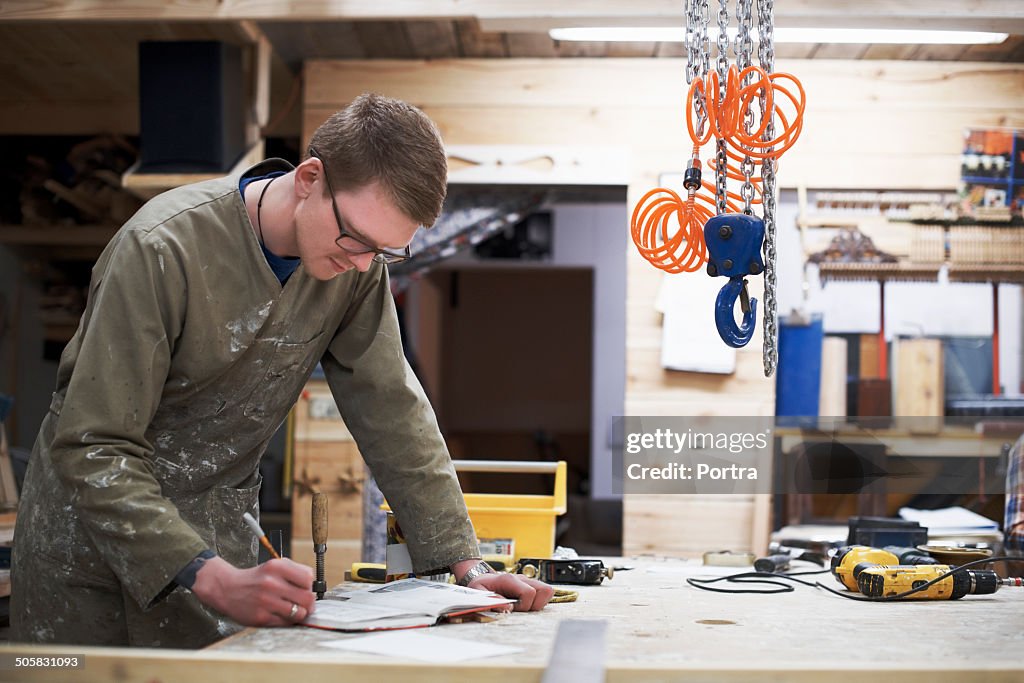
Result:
[734,243]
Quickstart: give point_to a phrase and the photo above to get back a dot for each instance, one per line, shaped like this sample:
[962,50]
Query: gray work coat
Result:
[187,359]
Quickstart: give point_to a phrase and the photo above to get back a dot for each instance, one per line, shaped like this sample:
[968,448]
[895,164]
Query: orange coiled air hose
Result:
[667,229]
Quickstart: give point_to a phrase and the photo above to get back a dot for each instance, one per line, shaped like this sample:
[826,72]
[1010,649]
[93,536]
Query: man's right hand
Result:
[261,596]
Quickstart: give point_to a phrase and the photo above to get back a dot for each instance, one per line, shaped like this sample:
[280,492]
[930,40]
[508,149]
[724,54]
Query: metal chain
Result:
[744,47]
[692,22]
[696,54]
[766,56]
[722,67]
[705,41]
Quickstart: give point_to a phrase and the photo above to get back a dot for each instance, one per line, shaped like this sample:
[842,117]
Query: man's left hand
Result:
[529,594]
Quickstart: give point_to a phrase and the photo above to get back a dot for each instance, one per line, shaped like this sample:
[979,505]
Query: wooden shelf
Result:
[906,272]
[837,220]
[921,272]
[1013,274]
[54,235]
[153,183]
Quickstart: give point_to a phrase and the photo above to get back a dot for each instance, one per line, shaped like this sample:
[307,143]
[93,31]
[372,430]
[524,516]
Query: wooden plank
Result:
[316,416]
[336,470]
[8,485]
[686,526]
[795,50]
[651,83]
[433,39]
[919,381]
[998,52]
[581,49]
[940,53]
[384,39]
[526,45]
[158,182]
[761,524]
[645,374]
[528,14]
[475,43]
[889,51]
[618,49]
[832,399]
[869,357]
[645,127]
[838,51]
[670,49]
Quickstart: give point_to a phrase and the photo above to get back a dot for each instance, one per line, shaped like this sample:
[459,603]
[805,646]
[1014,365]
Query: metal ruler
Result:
[578,653]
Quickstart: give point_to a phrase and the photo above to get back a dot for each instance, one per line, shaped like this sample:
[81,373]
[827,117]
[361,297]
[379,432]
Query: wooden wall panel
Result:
[868,123]
[875,124]
[687,526]
[919,381]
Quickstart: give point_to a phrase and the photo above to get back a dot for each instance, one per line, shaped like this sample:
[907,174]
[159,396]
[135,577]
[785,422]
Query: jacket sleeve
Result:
[123,349]
[385,408]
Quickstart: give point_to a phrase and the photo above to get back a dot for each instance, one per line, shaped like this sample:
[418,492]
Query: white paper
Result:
[948,520]
[401,604]
[349,615]
[689,337]
[421,646]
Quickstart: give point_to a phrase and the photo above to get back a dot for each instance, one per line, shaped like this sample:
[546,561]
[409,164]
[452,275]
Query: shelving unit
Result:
[56,236]
[150,184]
[1014,179]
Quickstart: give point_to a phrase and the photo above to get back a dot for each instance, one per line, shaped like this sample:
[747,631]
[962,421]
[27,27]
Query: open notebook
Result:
[409,603]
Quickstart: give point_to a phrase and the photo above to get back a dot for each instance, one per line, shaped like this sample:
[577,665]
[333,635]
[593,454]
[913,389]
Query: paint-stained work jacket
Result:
[187,359]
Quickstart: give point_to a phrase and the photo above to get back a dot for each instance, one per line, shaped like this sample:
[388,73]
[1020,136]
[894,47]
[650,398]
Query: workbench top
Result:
[655,619]
[659,629]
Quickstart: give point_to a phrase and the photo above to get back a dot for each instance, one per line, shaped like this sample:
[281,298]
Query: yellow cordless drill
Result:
[888,572]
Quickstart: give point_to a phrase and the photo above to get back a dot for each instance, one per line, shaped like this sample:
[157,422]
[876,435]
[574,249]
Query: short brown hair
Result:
[390,141]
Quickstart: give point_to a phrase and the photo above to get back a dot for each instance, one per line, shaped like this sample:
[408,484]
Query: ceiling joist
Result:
[530,15]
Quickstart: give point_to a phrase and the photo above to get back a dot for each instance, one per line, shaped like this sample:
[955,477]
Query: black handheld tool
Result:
[319,541]
[579,572]
[772,564]
[910,555]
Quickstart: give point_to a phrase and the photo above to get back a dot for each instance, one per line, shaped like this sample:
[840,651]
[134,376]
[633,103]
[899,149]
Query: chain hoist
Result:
[738,106]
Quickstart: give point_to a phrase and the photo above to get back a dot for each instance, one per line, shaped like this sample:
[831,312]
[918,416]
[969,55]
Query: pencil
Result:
[258,531]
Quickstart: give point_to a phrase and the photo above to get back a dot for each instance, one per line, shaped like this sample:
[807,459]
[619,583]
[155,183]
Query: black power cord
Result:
[772,578]
[762,578]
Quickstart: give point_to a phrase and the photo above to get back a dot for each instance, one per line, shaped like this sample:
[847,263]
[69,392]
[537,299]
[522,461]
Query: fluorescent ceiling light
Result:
[669,34]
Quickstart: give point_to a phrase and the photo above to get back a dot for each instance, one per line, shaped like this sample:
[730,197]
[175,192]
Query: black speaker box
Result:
[192,108]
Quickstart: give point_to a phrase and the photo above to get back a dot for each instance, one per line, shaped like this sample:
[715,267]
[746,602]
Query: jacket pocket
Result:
[289,366]
[232,538]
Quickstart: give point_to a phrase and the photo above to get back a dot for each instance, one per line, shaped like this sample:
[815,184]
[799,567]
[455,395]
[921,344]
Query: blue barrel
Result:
[798,377]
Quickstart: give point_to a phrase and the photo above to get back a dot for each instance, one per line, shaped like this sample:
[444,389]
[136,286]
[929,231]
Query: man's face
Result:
[366,214]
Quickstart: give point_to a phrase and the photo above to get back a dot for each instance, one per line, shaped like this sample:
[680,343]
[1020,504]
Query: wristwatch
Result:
[477,570]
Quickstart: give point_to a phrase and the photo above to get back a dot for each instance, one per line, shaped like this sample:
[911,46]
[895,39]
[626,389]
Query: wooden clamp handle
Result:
[319,518]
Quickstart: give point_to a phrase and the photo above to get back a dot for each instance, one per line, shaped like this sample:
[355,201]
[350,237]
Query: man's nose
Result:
[362,262]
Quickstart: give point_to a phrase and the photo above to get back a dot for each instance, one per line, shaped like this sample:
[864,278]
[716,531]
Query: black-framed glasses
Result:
[351,243]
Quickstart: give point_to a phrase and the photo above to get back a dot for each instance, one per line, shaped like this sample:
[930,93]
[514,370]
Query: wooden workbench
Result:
[659,629]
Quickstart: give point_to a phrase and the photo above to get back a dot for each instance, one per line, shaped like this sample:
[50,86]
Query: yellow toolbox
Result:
[527,519]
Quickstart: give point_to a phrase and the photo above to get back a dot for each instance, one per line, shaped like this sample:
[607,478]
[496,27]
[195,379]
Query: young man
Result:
[207,313]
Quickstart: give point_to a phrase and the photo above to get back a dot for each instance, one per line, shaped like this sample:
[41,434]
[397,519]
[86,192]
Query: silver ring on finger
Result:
[294,611]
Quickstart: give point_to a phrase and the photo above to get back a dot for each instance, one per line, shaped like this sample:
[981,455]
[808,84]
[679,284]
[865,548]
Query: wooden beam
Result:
[838,85]
[260,54]
[530,15]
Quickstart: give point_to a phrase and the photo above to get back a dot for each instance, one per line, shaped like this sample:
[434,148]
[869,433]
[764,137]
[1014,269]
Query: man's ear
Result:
[308,176]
